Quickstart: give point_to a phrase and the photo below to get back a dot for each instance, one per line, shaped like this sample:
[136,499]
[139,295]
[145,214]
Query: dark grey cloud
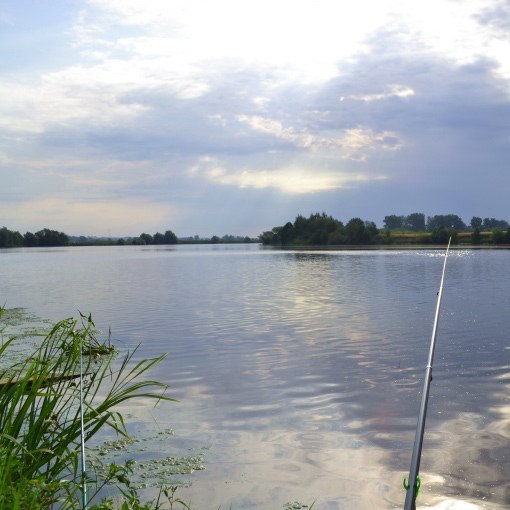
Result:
[497,17]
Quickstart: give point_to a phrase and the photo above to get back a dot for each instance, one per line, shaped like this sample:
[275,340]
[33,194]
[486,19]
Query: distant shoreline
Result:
[389,247]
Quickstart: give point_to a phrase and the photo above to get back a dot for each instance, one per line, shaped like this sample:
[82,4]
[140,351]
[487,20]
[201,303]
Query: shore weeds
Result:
[40,431]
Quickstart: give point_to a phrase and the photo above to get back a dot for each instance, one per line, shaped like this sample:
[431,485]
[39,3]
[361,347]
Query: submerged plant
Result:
[40,430]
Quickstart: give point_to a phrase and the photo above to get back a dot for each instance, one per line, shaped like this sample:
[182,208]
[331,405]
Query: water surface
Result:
[299,373]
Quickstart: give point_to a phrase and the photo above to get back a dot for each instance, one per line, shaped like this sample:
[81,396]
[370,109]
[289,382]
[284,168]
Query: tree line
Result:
[44,237]
[47,237]
[158,238]
[320,229]
[170,238]
[415,222]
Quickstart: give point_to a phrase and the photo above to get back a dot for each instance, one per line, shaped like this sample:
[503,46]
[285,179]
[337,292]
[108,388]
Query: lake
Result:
[299,373]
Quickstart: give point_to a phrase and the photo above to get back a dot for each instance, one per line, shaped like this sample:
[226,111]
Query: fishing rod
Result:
[413,485]
[82,435]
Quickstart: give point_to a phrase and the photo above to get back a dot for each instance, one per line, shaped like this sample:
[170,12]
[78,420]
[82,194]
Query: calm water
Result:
[299,373]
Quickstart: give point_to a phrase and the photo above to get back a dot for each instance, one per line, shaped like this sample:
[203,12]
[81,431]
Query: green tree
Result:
[268,237]
[29,239]
[451,221]
[355,231]
[10,238]
[158,238]
[360,232]
[476,222]
[147,238]
[287,234]
[48,237]
[394,222]
[415,222]
[170,237]
[371,231]
[337,237]
[319,229]
[493,223]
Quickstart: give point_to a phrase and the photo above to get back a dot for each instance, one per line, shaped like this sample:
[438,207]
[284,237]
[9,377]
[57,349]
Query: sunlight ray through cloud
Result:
[292,179]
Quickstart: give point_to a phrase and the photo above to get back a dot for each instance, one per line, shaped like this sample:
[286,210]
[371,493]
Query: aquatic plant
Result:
[40,432]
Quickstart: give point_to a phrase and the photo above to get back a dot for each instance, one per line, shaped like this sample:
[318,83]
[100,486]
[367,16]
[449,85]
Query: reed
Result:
[40,429]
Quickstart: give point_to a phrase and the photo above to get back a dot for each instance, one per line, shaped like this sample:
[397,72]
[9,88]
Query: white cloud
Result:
[303,40]
[355,143]
[70,95]
[292,179]
[394,91]
[300,39]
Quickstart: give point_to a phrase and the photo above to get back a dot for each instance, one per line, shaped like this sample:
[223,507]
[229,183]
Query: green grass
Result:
[40,432]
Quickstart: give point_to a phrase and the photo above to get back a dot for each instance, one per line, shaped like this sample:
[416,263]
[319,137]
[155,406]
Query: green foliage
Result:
[451,221]
[158,238]
[498,236]
[320,230]
[355,231]
[147,238]
[476,222]
[40,433]
[316,230]
[45,237]
[121,475]
[360,232]
[476,236]
[297,505]
[414,222]
[394,222]
[169,238]
[10,239]
[441,235]
[493,224]
[323,230]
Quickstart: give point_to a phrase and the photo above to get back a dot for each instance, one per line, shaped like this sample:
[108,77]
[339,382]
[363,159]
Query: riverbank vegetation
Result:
[323,230]
[44,237]
[318,229]
[40,418]
[48,237]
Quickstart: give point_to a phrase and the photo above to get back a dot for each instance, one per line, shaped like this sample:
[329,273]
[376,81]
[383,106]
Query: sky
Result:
[119,117]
